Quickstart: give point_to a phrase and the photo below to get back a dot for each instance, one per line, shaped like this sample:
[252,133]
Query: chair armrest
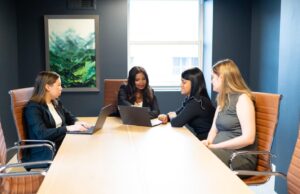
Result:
[20,147]
[15,174]
[259,173]
[245,152]
[14,165]
[253,172]
[25,173]
[36,141]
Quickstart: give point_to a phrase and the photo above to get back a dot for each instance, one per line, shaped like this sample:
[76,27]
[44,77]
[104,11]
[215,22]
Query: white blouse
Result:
[55,115]
[138,104]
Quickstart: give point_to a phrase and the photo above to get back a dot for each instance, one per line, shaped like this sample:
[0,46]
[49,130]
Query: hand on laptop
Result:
[84,124]
[76,127]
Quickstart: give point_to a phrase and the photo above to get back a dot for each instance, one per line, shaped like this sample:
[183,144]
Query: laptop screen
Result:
[132,115]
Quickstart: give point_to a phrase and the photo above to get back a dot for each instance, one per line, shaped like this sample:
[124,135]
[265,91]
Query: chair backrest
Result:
[266,113]
[19,98]
[111,88]
[293,175]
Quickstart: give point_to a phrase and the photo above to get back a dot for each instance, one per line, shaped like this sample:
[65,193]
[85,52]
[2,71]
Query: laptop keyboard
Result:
[90,129]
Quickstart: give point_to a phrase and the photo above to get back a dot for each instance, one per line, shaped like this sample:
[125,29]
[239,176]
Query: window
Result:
[165,37]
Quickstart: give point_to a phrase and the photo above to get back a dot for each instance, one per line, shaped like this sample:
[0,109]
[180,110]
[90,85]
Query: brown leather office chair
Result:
[19,182]
[293,176]
[266,113]
[19,98]
[111,88]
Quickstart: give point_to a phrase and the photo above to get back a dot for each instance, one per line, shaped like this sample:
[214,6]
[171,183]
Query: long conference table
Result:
[124,159]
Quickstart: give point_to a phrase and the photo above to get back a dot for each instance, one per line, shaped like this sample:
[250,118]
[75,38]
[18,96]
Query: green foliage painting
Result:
[72,52]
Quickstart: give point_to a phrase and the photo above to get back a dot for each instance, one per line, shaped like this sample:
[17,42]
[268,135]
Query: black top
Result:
[123,99]
[40,125]
[197,114]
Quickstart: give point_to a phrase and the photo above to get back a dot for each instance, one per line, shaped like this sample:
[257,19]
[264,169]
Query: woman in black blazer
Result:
[137,92]
[197,111]
[45,117]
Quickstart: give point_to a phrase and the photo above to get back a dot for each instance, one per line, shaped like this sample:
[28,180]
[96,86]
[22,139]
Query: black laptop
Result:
[105,111]
[132,115]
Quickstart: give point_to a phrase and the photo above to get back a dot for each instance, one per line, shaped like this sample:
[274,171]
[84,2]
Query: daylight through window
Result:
[165,37]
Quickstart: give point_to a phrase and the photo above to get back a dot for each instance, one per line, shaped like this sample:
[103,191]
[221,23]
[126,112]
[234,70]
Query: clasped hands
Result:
[209,144]
[164,118]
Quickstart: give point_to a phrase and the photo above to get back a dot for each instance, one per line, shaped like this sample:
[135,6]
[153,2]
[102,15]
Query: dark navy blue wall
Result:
[288,86]
[264,45]
[8,66]
[232,32]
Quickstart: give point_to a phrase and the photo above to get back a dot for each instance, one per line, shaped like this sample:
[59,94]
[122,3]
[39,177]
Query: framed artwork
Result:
[72,47]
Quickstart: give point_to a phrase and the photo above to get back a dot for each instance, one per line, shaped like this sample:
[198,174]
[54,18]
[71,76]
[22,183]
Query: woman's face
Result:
[186,86]
[55,89]
[140,81]
[216,82]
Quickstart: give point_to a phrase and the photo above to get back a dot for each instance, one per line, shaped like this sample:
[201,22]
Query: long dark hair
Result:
[43,78]
[198,87]
[131,88]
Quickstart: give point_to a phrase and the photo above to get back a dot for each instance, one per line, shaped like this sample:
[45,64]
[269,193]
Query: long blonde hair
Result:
[233,81]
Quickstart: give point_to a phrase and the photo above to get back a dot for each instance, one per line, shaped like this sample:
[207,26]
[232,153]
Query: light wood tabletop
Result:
[124,159]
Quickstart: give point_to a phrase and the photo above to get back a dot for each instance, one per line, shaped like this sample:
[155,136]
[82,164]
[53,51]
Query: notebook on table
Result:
[104,112]
[132,115]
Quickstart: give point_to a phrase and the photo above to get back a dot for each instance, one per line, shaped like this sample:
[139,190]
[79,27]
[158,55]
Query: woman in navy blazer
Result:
[137,92]
[45,117]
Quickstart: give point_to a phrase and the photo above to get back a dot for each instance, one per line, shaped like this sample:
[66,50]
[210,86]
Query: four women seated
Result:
[231,127]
